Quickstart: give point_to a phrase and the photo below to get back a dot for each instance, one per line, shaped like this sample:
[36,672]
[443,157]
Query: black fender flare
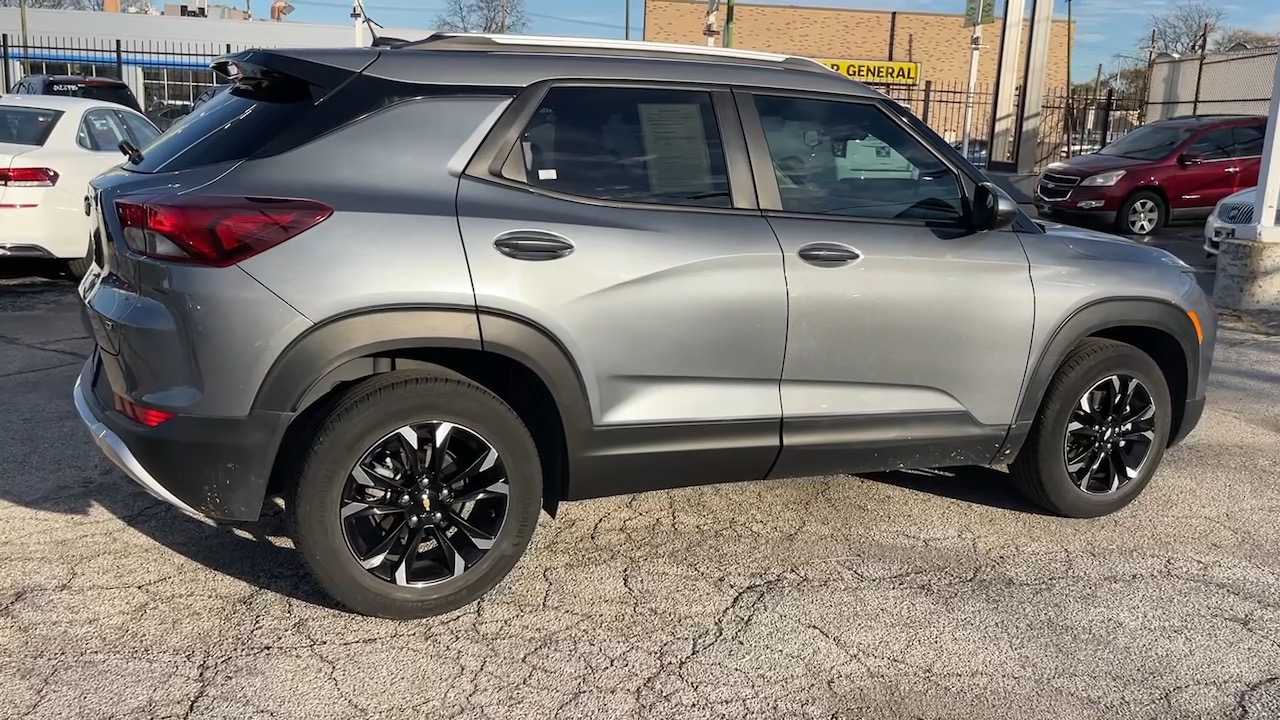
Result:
[1098,317]
[328,353]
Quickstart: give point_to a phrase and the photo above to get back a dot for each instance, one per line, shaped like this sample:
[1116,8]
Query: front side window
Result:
[637,145]
[852,159]
[140,129]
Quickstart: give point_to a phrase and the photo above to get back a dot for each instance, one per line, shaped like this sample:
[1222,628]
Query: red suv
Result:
[1177,168]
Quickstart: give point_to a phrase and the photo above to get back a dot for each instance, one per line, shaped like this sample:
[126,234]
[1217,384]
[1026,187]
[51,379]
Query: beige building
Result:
[938,43]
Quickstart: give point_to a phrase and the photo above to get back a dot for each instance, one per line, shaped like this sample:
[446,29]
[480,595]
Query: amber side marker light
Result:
[1195,322]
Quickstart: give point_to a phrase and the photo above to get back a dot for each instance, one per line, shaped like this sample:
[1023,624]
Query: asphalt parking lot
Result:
[930,595]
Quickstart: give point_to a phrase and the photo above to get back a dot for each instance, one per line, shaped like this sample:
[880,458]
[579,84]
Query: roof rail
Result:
[446,40]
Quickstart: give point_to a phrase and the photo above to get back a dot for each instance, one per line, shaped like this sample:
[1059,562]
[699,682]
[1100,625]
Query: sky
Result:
[1104,28]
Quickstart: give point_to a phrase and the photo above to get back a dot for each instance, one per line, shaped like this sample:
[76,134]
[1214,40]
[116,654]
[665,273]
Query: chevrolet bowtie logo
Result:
[426,502]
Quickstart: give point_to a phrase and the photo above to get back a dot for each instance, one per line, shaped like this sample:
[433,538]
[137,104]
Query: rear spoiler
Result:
[323,70]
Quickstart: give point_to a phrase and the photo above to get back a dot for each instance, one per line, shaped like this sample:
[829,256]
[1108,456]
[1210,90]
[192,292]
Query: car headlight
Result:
[1106,179]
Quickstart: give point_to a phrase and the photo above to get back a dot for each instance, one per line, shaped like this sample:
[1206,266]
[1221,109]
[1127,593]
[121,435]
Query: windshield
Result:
[1151,142]
[27,126]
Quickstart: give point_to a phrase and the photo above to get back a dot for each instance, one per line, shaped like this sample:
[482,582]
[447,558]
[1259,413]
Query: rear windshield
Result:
[118,94]
[27,126]
[231,126]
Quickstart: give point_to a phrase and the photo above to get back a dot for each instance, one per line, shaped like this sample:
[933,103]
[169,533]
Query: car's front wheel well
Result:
[515,383]
[1167,352]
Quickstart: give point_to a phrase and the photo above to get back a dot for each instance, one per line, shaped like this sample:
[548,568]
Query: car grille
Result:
[1236,213]
[1056,187]
[1061,180]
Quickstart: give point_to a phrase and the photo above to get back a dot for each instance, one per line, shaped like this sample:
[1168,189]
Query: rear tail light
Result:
[28,177]
[139,414]
[214,230]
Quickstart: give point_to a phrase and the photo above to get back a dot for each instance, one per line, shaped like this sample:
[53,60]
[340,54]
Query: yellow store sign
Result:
[877,71]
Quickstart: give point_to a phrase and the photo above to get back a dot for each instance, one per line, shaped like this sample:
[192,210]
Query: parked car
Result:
[90,88]
[606,267]
[1170,169]
[165,114]
[50,147]
[1233,212]
[978,150]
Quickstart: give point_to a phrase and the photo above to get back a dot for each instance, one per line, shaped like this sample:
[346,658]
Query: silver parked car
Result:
[423,291]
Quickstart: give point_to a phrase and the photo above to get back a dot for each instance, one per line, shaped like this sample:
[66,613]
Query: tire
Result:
[369,415]
[77,268]
[1041,469]
[1156,214]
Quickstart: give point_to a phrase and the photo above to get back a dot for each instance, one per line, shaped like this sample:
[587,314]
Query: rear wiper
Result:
[130,151]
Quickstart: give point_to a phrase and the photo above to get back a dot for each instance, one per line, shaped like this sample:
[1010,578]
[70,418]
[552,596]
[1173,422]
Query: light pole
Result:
[22,19]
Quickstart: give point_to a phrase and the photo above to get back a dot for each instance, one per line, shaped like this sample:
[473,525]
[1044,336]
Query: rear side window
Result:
[27,126]
[230,127]
[1249,139]
[627,144]
[101,131]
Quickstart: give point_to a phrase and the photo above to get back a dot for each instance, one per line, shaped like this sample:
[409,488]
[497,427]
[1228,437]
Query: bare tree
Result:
[1229,37]
[56,4]
[486,16]
[1181,29]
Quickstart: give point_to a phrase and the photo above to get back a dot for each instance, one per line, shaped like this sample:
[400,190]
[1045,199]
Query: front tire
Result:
[417,496]
[1143,213]
[1100,434]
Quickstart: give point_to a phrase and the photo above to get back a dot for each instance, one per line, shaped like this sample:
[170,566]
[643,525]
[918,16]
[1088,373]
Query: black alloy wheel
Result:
[424,503]
[1110,434]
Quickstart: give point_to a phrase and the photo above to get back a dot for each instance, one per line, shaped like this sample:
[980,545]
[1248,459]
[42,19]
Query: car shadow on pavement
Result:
[975,484]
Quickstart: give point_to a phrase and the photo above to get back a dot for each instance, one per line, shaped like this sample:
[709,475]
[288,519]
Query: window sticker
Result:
[675,142]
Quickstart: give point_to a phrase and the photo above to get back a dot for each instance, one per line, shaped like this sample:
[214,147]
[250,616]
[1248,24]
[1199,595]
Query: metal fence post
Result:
[4,60]
[1195,102]
[1107,108]
[119,60]
[928,98]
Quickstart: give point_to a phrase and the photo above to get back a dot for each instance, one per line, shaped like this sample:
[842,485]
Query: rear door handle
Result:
[533,245]
[828,253]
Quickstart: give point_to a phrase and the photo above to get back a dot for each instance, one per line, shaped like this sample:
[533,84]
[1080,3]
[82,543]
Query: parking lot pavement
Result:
[932,595]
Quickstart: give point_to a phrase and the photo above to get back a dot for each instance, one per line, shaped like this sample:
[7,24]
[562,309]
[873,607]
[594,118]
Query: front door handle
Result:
[828,253]
[1233,169]
[533,245]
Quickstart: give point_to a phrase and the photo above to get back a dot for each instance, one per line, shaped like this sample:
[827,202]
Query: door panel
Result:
[1204,184]
[912,352]
[616,233]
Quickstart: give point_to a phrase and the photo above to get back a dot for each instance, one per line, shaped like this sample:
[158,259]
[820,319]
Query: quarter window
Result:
[852,159]
[637,145]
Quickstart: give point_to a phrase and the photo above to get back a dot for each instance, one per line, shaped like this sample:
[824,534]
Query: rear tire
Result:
[77,268]
[1113,458]
[368,518]
[1142,213]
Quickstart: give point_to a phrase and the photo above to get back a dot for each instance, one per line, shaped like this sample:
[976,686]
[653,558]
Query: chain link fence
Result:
[1227,83]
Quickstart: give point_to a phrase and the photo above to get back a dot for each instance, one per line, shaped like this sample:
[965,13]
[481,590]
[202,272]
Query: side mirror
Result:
[992,209]
[1190,159]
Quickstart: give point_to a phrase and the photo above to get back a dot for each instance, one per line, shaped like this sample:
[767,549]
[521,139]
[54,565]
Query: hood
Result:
[1249,196]
[1102,246]
[1092,164]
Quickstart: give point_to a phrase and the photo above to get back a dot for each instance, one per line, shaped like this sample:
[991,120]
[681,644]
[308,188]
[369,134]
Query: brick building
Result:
[938,43]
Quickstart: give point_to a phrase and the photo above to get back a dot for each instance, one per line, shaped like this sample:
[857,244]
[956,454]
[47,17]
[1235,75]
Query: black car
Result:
[94,88]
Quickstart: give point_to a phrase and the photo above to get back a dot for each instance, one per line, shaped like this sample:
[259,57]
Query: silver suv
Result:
[423,292]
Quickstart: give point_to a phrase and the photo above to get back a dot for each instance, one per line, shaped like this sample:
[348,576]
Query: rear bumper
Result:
[217,468]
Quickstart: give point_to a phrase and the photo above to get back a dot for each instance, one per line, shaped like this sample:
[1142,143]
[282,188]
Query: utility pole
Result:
[1004,108]
[1097,82]
[977,13]
[975,43]
[626,13]
[26,48]
[709,28]
[357,13]
[728,23]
